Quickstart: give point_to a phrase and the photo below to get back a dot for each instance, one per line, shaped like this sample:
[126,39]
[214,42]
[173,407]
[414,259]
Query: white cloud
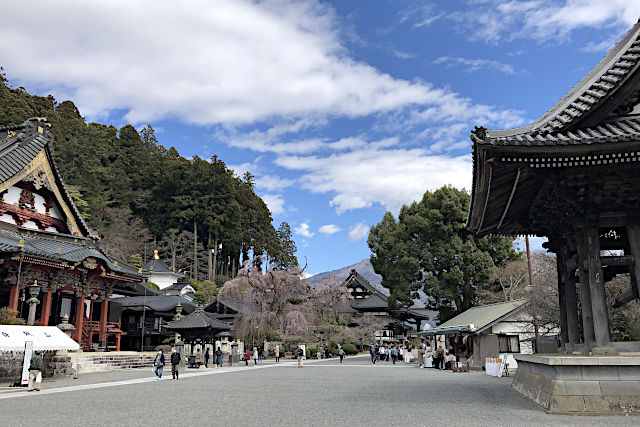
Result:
[472,65]
[229,61]
[329,229]
[358,231]
[272,183]
[545,20]
[390,177]
[304,231]
[275,203]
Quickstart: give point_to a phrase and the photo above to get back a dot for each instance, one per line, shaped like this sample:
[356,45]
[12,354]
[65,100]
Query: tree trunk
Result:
[195,250]
[215,260]
[209,259]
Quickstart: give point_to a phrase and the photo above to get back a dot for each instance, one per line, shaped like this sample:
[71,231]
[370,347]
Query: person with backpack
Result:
[175,361]
[158,364]
[300,356]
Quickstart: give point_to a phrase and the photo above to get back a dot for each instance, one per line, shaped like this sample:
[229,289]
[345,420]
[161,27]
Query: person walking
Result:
[247,357]
[277,351]
[394,354]
[372,352]
[35,368]
[300,356]
[326,353]
[158,364]
[259,354]
[255,356]
[175,361]
[219,357]
[341,354]
[206,359]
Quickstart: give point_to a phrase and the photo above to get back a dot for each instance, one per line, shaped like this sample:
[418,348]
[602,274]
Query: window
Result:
[508,343]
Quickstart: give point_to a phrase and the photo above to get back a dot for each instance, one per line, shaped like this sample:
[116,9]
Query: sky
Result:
[341,109]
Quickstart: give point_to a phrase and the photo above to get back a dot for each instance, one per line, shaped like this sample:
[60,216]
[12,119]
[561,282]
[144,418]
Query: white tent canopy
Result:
[46,338]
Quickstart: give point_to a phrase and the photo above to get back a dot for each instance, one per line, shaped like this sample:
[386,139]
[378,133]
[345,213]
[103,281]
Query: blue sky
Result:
[341,110]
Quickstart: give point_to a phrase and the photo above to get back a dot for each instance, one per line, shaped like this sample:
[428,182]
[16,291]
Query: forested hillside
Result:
[141,196]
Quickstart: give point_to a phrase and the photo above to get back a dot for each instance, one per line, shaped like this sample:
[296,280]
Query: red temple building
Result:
[51,264]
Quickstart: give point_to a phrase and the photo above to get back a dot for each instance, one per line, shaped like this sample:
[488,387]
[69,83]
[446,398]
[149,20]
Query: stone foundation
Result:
[112,361]
[587,385]
[56,364]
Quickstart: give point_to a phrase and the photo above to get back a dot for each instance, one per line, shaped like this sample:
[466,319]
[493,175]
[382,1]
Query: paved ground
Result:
[355,393]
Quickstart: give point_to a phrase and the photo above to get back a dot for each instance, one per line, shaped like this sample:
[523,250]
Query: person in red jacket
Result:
[247,356]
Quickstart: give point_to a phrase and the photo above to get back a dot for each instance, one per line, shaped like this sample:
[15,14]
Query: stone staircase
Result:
[111,361]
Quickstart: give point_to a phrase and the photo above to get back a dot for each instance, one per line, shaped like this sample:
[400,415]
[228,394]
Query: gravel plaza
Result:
[323,393]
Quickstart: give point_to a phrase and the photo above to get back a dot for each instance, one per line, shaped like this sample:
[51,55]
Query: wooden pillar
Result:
[80,309]
[560,267]
[104,309]
[571,301]
[46,307]
[14,297]
[633,234]
[585,290]
[596,286]
[117,342]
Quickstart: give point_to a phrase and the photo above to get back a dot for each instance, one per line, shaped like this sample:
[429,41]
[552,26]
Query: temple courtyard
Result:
[324,392]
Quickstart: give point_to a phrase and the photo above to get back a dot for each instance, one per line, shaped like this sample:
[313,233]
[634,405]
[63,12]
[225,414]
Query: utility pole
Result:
[195,249]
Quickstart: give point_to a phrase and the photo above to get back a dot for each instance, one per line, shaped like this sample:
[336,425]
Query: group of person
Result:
[440,358]
[218,358]
[258,354]
[159,362]
[385,354]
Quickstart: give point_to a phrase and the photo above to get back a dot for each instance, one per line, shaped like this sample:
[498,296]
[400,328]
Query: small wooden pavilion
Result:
[198,327]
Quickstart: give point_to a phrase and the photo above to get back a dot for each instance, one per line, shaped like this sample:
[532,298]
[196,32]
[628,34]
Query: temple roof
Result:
[356,278]
[20,145]
[72,249]
[371,302]
[529,180]
[587,104]
[157,302]
[199,319]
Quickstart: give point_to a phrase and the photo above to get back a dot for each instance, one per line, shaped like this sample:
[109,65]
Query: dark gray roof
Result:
[199,319]
[620,130]
[176,286]
[67,248]
[356,277]
[237,305]
[372,301]
[19,150]
[157,266]
[157,302]
[574,109]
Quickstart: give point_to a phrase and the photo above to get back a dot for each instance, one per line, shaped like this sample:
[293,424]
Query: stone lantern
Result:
[34,290]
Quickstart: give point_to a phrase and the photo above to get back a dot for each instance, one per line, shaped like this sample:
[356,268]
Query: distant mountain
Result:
[364,268]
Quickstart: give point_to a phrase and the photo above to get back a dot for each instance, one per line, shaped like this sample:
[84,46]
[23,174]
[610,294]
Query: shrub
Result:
[9,317]
[349,348]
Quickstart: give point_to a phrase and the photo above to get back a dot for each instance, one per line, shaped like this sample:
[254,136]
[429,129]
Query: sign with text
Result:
[28,351]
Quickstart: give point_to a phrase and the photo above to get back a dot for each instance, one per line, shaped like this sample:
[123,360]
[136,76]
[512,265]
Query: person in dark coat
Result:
[326,353]
[175,361]
[35,368]
[206,359]
[219,357]
[158,364]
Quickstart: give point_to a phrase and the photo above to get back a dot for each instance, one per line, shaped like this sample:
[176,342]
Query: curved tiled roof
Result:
[199,319]
[615,131]
[599,84]
[60,249]
[18,150]
[157,302]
